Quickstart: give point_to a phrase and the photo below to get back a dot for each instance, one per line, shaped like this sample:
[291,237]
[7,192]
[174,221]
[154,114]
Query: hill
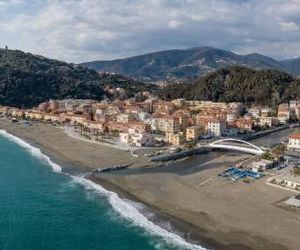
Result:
[238,84]
[26,80]
[187,63]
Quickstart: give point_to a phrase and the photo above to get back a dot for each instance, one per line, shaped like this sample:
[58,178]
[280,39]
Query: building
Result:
[294,104]
[180,102]
[231,116]
[34,115]
[284,113]
[261,165]
[44,106]
[96,127]
[244,124]
[165,124]
[287,181]
[4,110]
[216,127]
[135,138]
[140,126]
[265,112]
[166,108]
[53,105]
[52,117]
[116,127]
[175,138]
[268,121]
[125,118]
[294,142]
[194,133]
[255,112]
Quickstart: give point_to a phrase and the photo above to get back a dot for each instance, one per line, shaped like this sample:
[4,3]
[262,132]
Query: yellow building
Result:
[194,132]
[34,115]
[176,138]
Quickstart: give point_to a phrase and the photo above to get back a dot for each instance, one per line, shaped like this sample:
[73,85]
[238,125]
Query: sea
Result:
[42,208]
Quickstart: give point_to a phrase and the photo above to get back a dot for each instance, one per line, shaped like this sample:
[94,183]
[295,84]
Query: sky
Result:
[86,30]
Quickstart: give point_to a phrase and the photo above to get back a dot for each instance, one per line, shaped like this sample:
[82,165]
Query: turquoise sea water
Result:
[41,208]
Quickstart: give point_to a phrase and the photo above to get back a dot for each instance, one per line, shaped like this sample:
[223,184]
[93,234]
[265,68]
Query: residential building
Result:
[268,121]
[294,142]
[255,112]
[284,113]
[53,105]
[166,108]
[266,112]
[34,115]
[216,127]
[180,102]
[175,138]
[52,117]
[194,133]
[165,124]
[244,124]
[141,126]
[135,138]
[125,118]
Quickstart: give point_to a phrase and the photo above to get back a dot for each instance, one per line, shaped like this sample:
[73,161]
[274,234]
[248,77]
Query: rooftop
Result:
[295,136]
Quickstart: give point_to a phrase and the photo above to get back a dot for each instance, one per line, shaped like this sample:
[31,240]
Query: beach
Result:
[210,210]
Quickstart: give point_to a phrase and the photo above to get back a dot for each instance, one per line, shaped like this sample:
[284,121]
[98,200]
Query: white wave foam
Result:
[33,150]
[131,213]
[121,206]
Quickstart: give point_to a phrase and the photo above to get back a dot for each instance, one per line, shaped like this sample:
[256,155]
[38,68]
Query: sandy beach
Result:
[223,215]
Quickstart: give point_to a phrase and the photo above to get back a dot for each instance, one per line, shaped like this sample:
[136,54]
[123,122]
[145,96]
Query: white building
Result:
[267,121]
[137,139]
[261,165]
[216,127]
[294,142]
[255,112]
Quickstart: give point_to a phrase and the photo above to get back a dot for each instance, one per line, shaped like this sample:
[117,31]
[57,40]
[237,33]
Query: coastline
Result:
[54,144]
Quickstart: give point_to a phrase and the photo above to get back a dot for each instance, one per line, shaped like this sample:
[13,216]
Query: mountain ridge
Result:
[192,62]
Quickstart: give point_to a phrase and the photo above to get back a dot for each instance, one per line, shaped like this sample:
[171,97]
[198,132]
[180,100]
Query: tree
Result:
[278,150]
[267,156]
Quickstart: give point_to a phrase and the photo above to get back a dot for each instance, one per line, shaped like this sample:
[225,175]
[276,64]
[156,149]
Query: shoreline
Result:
[182,228]
[229,238]
[188,232]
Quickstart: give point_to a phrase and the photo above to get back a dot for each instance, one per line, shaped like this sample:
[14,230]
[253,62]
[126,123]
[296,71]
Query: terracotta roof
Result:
[295,136]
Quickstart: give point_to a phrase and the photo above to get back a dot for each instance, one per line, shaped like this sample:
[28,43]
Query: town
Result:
[153,122]
[175,126]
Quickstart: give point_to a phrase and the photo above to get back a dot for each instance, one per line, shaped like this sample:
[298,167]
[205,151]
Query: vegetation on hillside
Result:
[194,62]
[26,80]
[238,84]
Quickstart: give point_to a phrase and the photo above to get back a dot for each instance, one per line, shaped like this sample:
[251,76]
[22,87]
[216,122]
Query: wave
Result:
[123,207]
[36,152]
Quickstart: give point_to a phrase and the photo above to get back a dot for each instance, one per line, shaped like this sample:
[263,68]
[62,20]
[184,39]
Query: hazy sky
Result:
[85,30]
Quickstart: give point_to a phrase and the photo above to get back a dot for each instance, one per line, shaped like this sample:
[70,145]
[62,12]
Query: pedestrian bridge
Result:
[239,145]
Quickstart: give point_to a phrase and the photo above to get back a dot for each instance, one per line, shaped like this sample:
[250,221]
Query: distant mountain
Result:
[293,65]
[188,63]
[26,80]
[238,84]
